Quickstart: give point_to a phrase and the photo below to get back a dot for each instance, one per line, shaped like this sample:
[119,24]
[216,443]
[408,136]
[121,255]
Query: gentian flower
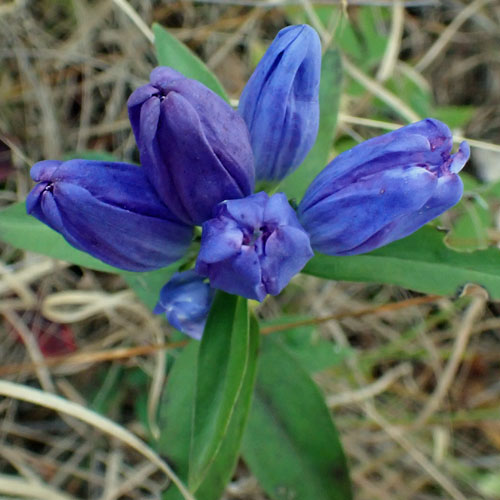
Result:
[280,103]
[109,210]
[185,300]
[194,147]
[383,189]
[253,246]
[198,168]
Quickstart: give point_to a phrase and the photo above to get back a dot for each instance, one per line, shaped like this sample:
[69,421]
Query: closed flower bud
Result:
[280,102]
[253,246]
[109,210]
[383,189]
[186,300]
[194,147]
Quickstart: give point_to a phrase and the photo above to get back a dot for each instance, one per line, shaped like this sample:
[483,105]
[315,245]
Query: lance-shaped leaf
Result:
[291,444]
[420,262]
[175,415]
[224,382]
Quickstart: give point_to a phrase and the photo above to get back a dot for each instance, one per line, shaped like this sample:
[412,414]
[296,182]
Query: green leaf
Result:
[420,262]
[489,484]
[374,33]
[147,285]
[24,231]
[364,37]
[171,52]
[176,413]
[309,348]
[454,116]
[224,382]
[470,229]
[416,95]
[329,97]
[91,155]
[472,184]
[176,423]
[291,444]
[349,40]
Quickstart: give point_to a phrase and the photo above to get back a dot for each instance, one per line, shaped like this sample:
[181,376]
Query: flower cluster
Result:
[200,160]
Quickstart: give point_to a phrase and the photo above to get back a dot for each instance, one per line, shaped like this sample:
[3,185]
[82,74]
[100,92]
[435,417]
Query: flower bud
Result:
[280,103]
[109,210]
[253,246]
[383,189]
[186,300]
[194,147]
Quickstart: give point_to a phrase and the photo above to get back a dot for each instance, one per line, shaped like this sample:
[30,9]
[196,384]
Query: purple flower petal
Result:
[194,147]
[280,103]
[110,211]
[186,300]
[253,247]
[383,189]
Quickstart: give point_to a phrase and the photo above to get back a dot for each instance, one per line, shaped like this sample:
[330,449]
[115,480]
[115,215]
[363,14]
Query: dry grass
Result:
[418,403]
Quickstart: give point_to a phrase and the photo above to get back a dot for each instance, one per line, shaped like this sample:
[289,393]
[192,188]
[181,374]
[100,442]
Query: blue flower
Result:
[185,300]
[253,246]
[194,147]
[383,189]
[280,103]
[108,210]
[198,169]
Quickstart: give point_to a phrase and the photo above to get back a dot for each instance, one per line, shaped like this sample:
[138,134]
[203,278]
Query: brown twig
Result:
[93,357]
[394,306]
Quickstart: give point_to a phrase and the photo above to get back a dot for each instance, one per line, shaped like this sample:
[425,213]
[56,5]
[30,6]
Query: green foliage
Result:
[287,435]
[454,116]
[90,155]
[171,52]
[296,184]
[312,351]
[204,412]
[147,285]
[470,229]
[473,217]
[175,414]
[420,262]
[414,93]
[224,385]
[364,37]
[291,444]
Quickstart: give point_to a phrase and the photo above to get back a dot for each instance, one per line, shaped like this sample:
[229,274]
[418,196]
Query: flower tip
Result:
[460,158]
[160,76]
[298,29]
[310,32]
[44,170]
